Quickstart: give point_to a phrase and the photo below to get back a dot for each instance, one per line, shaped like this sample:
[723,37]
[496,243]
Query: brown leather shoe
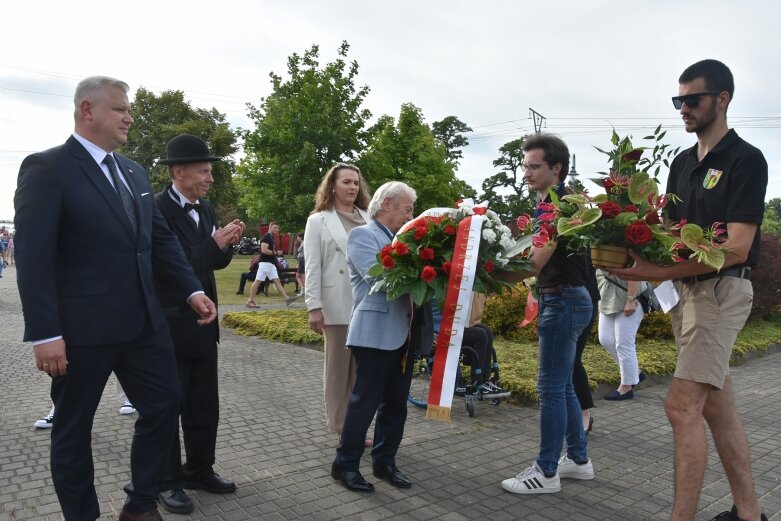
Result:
[152,515]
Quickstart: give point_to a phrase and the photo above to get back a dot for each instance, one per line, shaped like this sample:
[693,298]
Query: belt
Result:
[741,273]
[555,290]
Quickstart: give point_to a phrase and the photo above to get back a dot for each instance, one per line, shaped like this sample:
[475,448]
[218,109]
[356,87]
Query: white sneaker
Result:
[532,481]
[46,421]
[570,469]
[127,408]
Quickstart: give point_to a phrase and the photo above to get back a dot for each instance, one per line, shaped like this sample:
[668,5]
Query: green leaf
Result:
[579,221]
[576,199]
[419,292]
[521,244]
[600,198]
[375,271]
[640,187]
[625,219]
[660,136]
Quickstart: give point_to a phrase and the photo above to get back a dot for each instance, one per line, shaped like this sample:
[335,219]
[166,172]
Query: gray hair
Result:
[90,85]
[391,190]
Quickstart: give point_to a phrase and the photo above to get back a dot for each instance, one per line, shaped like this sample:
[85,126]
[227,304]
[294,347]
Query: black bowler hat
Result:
[185,148]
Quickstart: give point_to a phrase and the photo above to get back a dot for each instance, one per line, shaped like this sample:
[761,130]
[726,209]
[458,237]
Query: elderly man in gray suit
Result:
[379,337]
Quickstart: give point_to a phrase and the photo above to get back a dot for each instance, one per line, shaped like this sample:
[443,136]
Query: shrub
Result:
[766,279]
[656,325]
[503,312]
[285,326]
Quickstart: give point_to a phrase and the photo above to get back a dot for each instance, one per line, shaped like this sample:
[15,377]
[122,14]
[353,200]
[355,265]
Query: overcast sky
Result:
[585,66]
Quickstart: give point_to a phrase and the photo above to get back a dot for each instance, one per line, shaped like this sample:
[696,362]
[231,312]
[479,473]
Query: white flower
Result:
[501,261]
[506,242]
[489,235]
[505,230]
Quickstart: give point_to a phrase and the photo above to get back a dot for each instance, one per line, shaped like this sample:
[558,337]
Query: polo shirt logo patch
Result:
[711,178]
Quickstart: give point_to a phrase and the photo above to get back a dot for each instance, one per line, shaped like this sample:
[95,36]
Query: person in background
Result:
[268,268]
[340,206]
[579,375]
[250,274]
[125,408]
[619,319]
[300,264]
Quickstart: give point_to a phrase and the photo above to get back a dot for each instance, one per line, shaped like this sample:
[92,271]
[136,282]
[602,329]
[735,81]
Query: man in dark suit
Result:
[89,237]
[207,248]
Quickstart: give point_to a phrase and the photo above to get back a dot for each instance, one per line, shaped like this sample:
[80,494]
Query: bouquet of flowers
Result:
[627,214]
[419,259]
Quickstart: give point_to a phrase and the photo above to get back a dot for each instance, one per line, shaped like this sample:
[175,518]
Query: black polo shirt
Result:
[728,185]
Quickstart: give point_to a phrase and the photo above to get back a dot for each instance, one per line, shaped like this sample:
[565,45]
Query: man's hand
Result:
[205,308]
[229,234]
[642,270]
[317,321]
[50,357]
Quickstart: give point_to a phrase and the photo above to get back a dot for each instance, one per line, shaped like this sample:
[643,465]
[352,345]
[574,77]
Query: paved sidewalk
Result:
[273,442]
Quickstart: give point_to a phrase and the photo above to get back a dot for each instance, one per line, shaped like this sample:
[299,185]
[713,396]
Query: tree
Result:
[449,132]
[510,179]
[157,119]
[771,222]
[775,206]
[309,122]
[409,152]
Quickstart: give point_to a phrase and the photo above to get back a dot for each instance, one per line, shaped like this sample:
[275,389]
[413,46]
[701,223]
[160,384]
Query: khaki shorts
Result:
[706,321]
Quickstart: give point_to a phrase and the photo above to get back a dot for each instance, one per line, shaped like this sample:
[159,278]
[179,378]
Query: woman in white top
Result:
[620,315]
[340,206]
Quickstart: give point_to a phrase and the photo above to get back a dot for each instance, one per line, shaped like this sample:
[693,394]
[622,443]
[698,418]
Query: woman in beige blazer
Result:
[340,206]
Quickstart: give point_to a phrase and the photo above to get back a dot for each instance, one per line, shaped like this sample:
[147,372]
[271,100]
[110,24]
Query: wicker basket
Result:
[606,256]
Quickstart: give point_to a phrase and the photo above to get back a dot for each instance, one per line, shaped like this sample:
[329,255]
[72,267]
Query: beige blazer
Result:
[327,284]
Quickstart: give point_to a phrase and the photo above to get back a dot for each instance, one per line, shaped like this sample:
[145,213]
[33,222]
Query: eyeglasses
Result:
[532,166]
[692,100]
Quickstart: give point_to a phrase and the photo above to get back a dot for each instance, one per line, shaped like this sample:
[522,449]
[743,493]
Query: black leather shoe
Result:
[176,501]
[392,475]
[212,483]
[351,480]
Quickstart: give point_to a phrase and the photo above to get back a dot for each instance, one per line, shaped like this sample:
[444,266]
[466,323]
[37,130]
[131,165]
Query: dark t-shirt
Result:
[268,239]
[728,185]
[564,267]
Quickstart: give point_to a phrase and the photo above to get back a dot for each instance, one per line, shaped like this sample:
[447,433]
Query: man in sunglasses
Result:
[721,179]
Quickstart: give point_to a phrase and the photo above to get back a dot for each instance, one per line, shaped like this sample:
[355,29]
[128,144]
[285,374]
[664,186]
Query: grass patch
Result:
[228,282]
[291,326]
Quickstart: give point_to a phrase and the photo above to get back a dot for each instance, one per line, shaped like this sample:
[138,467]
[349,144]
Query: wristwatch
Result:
[630,297]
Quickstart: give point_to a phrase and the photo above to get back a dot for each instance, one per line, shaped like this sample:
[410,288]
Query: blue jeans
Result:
[562,318]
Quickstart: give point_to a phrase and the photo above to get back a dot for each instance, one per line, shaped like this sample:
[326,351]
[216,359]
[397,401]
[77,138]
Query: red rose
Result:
[634,155]
[387,262]
[631,208]
[490,266]
[609,209]
[420,232]
[449,229]
[386,250]
[546,207]
[446,267]
[426,254]
[400,248]
[479,210]
[638,233]
[652,217]
[428,274]
[540,239]
[547,217]
[523,222]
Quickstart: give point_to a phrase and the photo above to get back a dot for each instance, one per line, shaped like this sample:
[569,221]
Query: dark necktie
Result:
[122,191]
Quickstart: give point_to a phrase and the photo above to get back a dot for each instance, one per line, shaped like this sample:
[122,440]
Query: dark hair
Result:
[717,76]
[554,150]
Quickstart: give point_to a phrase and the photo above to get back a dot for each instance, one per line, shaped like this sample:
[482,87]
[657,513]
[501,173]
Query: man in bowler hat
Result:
[90,240]
[208,247]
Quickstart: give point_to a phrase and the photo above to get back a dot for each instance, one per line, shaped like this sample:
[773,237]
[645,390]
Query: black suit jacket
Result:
[204,256]
[82,272]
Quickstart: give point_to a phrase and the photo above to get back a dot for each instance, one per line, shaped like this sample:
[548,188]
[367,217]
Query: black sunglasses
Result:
[692,100]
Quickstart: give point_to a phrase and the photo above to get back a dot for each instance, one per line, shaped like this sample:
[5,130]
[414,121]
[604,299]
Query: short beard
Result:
[702,124]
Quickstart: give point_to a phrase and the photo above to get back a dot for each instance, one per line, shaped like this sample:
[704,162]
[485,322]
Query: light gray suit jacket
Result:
[375,322]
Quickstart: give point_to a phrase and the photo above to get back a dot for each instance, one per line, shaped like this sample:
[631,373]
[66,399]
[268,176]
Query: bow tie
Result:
[190,206]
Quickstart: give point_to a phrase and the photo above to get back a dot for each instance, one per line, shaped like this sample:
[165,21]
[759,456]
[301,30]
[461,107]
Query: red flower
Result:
[631,208]
[449,229]
[400,248]
[608,184]
[523,222]
[479,210]
[609,209]
[420,232]
[652,217]
[638,233]
[546,207]
[426,254]
[540,239]
[634,155]
[386,250]
[446,266]
[490,266]
[547,217]
[428,274]
[387,262]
